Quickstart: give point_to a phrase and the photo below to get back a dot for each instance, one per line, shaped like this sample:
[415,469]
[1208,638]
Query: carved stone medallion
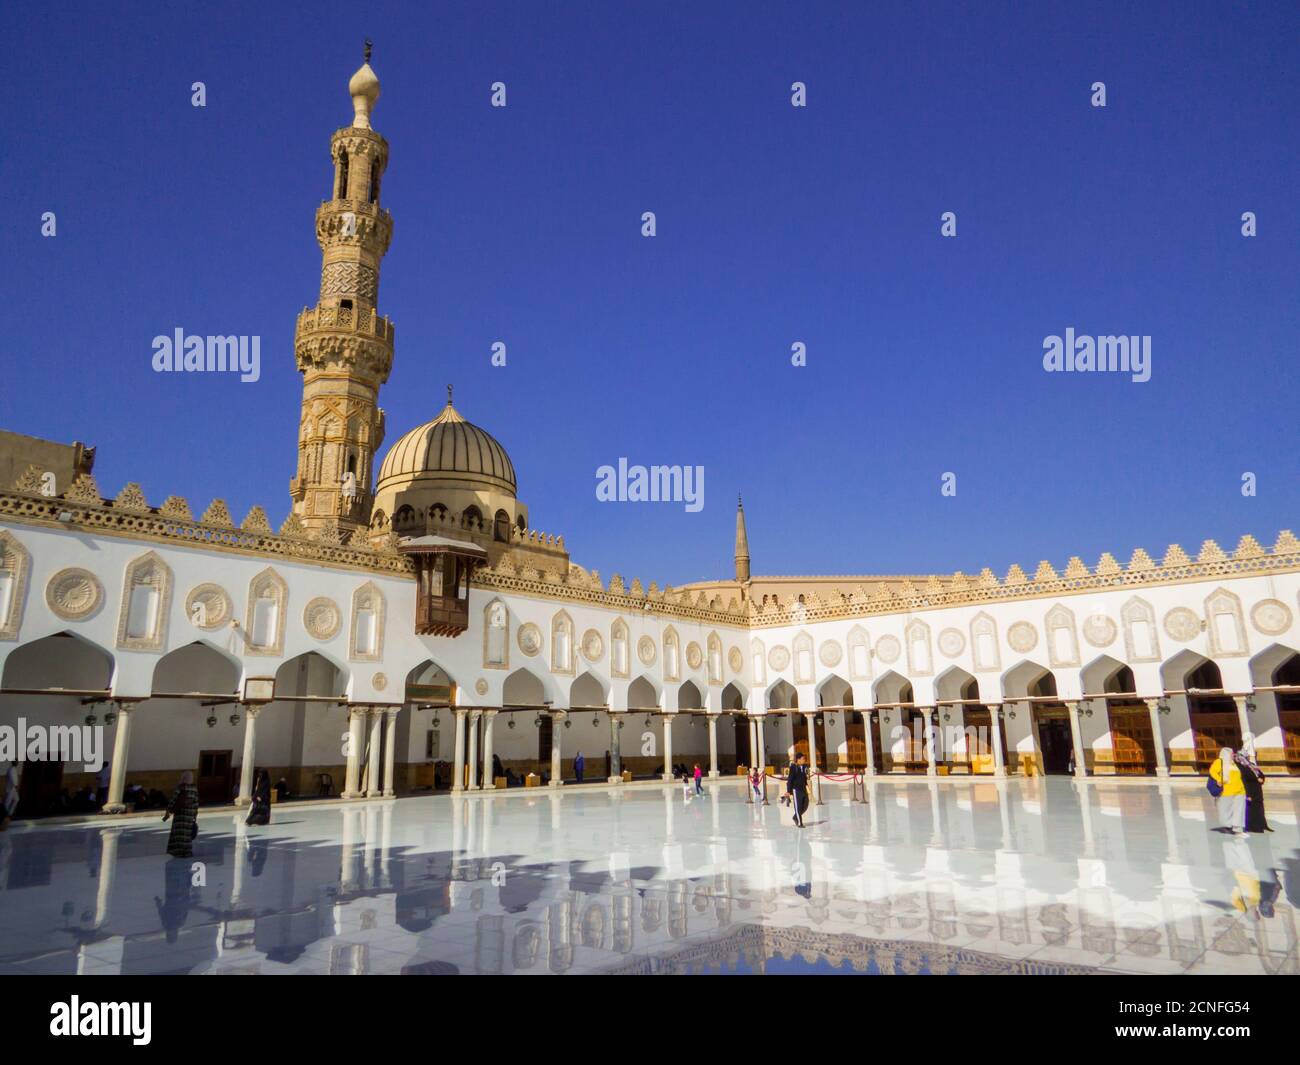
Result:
[646,650]
[529,638]
[208,606]
[74,593]
[481,686]
[736,660]
[778,657]
[593,646]
[1270,616]
[888,649]
[1182,624]
[1022,636]
[379,682]
[694,655]
[830,653]
[1099,630]
[322,618]
[951,643]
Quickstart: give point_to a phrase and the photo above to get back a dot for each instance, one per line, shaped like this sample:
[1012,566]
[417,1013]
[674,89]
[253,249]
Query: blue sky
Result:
[775,225]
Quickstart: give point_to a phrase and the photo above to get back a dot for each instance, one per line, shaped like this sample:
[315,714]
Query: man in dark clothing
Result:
[796,786]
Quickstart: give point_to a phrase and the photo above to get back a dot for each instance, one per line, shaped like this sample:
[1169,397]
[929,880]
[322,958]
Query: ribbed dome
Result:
[453,450]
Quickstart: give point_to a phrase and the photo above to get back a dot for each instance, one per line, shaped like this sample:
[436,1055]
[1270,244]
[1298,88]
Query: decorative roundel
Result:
[1270,616]
[888,649]
[593,646]
[74,593]
[646,650]
[830,653]
[481,686]
[694,655]
[1099,630]
[529,638]
[379,681]
[778,657]
[952,642]
[322,618]
[1022,637]
[208,606]
[735,660]
[1182,624]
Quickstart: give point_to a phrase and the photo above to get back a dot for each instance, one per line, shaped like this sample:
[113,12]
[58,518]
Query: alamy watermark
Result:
[53,743]
[651,484]
[1110,354]
[179,353]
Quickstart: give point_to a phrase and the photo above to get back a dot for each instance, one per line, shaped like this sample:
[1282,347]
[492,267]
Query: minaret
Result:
[742,544]
[343,347]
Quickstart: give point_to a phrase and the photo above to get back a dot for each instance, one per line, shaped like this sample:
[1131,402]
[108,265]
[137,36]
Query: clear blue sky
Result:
[776,225]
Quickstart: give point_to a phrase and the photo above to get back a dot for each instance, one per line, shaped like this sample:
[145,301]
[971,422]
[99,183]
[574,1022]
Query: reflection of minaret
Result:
[344,349]
[742,548]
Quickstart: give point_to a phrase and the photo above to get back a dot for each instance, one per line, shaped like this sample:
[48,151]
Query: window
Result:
[142,614]
[342,192]
[266,622]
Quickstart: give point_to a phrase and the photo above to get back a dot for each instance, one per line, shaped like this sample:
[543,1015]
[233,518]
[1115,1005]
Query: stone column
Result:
[250,753]
[752,726]
[121,751]
[489,777]
[375,786]
[1157,735]
[713,747]
[474,715]
[1076,736]
[390,751]
[762,746]
[458,772]
[356,738]
[931,765]
[1243,715]
[811,722]
[558,718]
[871,743]
[995,739]
[615,756]
[668,746]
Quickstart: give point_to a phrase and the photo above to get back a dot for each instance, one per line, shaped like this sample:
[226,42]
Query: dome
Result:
[450,452]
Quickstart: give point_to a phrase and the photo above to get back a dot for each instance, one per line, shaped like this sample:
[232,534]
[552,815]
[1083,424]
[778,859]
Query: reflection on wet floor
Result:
[942,877]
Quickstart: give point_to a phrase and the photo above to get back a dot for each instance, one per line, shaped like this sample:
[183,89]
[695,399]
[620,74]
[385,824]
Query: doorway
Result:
[216,777]
[1133,745]
[38,788]
[1054,740]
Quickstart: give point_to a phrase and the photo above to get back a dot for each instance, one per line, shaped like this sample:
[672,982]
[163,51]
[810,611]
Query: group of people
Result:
[183,811]
[1237,783]
[692,779]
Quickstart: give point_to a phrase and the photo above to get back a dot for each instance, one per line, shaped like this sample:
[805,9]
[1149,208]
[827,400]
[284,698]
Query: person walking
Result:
[260,812]
[184,811]
[796,786]
[756,782]
[1252,778]
[579,764]
[1226,785]
[699,776]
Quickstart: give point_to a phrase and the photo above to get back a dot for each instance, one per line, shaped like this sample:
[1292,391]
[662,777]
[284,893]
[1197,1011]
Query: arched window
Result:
[374,181]
[715,658]
[342,192]
[501,527]
[562,643]
[672,655]
[496,635]
[472,518]
[619,650]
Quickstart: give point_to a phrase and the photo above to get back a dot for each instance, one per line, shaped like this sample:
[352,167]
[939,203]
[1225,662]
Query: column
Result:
[458,772]
[1076,735]
[352,781]
[995,739]
[867,716]
[668,746]
[557,727]
[250,752]
[713,746]
[489,776]
[474,715]
[810,722]
[1162,761]
[390,751]
[615,757]
[762,746]
[752,726]
[121,749]
[374,786]
[931,766]
[1243,716]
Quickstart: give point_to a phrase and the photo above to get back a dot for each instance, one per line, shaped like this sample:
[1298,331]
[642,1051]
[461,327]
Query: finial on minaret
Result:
[742,544]
[369,45]
[449,395]
[364,90]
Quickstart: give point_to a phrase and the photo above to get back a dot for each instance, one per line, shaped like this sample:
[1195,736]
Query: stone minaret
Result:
[742,545]
[343,347]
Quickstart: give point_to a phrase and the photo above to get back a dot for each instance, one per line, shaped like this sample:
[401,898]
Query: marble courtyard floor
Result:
[1034,876]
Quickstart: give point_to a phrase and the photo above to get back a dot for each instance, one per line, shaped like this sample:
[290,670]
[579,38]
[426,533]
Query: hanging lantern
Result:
[568,722]
[212,721]
[110,717]
[234,718]
[91,719]
[510,721]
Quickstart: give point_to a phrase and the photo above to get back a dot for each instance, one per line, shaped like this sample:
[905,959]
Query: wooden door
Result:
[544,733]
[215,776]
[743,753]
[1215,725]
[1133,747]
[1291,739]
[979,729]
[856,733]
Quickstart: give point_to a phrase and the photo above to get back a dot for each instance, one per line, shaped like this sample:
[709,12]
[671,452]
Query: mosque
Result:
[406,626]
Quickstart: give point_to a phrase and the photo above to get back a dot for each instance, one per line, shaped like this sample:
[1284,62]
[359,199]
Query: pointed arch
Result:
[562,651]
[15,567]
[954,682]
[781,696]
[891,687]
[733,698]
[146,604]
[834,691]
[920,658]
[672,655]
[758,662]
[268,603]
[59,660]
[197,667]
[1175,673]
[643,694]
[311,673]
[496,634]
[1227,627]
[859,648]
[430,682]
[689,697]
[1026,678]
[1062,637]
[588,690]
[1141,641]
[1099,673]
[986,654]
[523,688]
[366,642]
[805,669]
[620,650]
[1264,666]
[714,658]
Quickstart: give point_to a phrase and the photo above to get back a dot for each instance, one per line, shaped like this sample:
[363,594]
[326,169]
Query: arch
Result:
[60,660]
[523,688]
[672,655]
[620,649]
[954,682]
[1027,678]
[501,527]
[920,658]
[268,602]
[859,653]
[714,658]
[1225,624]
[472,518]
[689,697]
[984,649]
[588,690]
[1101,672]
[733,698]
[1175,673]
[366,639]
[562,643]
[804,669]
[781,696]
[1062,637]
[429,682]
[891,688]
[310,673]
[758,661]
[496,635]
[834,691]
[1264,666]
[1141,641]
[146,603]
[197,667]
[15,565]
[642,694]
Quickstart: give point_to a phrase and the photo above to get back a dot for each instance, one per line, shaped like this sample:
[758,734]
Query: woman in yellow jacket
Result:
[1230,790]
